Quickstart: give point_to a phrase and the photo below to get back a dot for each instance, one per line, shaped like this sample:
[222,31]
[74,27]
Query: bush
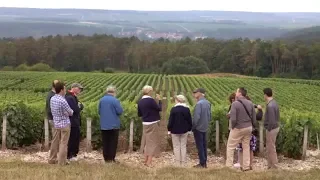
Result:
[24,124]
[7,68]
[22,67]
[185,65]
[108,70]
[41,67]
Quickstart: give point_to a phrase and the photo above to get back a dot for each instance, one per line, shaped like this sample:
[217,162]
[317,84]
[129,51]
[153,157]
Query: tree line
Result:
[90,53]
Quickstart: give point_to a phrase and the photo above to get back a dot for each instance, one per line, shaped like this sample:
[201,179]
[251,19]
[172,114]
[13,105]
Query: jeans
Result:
[201,143]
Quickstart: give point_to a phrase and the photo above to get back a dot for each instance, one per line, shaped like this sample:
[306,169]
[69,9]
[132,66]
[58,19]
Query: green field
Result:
[298,100]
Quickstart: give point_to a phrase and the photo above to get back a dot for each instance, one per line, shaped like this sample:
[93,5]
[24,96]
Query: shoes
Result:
[73,159]
[237,165]
[200,166]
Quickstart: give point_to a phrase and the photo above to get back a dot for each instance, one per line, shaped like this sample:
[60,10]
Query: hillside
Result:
[307,35]
[151,24]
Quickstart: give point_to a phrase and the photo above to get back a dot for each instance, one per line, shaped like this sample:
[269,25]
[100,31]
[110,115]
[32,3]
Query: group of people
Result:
[63,113]
[63,109]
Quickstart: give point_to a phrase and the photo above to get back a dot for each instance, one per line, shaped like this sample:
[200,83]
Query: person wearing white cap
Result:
[180,122]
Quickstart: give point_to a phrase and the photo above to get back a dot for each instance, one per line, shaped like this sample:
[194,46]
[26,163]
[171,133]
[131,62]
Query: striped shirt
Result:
[61,111]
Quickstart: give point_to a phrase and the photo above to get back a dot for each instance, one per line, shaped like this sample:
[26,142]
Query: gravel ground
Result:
[167,159]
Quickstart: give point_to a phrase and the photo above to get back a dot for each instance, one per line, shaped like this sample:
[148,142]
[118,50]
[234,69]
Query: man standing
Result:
[51,93]
[242,119]
[271,124]
[200,124]
[74,140]
[60,112]
[109,110]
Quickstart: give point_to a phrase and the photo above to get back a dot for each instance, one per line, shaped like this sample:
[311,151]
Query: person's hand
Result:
[259,107]
[158,97]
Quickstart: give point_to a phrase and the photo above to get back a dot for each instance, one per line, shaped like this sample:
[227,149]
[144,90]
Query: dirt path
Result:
[166,159]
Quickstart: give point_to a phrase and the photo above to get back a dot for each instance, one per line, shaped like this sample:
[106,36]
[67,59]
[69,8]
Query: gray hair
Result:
[146,89]
[111,89]
[181,98]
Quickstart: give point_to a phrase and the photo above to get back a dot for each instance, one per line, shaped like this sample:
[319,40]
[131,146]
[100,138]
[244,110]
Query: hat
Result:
[76,85]
[200,90]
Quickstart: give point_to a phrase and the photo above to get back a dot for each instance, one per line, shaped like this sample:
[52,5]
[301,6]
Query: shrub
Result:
[108,70]
[185,65]
[41,67]
[22,67]
[7,68]
[24,124]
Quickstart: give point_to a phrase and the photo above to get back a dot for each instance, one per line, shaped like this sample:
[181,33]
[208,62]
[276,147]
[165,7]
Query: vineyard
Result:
[22,97]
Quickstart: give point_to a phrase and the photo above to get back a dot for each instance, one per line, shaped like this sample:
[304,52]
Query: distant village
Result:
[157,35]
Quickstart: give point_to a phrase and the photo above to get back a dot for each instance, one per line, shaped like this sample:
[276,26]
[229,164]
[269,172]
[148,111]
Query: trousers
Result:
[110,143]
[74,142]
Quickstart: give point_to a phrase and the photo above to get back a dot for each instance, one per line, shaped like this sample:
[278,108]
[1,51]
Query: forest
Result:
[276,58]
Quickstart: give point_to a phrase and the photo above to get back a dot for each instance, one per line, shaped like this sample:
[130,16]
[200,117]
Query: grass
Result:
[36,171]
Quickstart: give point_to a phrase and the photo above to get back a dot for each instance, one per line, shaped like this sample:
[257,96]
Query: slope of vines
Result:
[298,99]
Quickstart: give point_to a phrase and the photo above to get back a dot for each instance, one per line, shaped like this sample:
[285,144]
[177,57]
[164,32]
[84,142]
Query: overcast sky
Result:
[225,5]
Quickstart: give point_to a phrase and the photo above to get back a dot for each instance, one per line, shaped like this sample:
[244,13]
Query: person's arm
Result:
[259,115]
[156,106]
[196,115]
[118,107]
[169,127]
[73,104]
[99,108]
[189,119]
[67,108]
[139,111]
[233,115]
[254,117]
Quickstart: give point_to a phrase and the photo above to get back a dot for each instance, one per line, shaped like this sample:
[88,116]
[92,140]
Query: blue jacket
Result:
[109,110]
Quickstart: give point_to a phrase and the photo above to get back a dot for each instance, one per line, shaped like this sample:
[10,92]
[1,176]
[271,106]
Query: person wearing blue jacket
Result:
[109,111]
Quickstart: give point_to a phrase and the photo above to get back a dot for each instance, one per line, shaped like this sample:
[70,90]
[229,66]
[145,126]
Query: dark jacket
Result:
[180,120]
[149,110]
[73,102]
[48,110]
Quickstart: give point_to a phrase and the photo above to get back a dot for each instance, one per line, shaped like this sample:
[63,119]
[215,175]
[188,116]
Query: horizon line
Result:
[62,8]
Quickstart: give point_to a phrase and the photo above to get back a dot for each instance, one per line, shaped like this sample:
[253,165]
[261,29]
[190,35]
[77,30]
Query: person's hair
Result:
[54,83]
[146,89]
[232,97]
[268,92]
[59,86]
[111,89]
[180,98]
[243,91]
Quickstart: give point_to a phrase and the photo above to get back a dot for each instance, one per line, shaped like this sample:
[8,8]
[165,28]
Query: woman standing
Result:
[180,122]
[149,110]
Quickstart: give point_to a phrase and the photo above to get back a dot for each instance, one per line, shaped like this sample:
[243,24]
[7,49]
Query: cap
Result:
[76,85]
[200,90]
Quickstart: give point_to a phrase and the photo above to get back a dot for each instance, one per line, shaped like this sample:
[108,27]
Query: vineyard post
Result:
[131,136]
[261,143]
[46,134]
[89,147]
[4,133]
[217,137]
[318,142]
[305,142]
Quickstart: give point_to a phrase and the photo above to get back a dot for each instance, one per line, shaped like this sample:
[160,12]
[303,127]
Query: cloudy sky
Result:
[226,5]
